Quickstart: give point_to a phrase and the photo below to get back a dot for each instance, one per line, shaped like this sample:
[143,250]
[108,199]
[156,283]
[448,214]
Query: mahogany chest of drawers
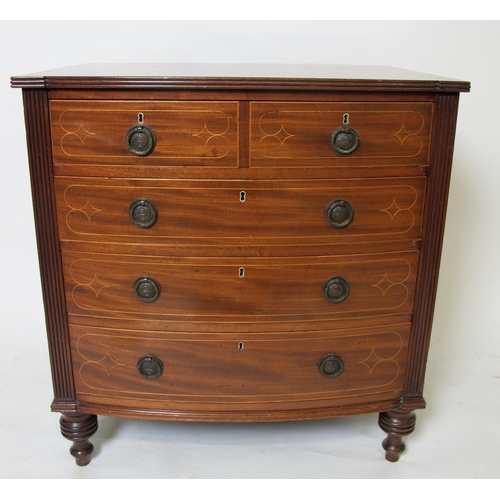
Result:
[238,243]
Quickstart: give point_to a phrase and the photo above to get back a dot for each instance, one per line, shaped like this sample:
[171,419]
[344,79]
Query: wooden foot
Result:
[78,427]
[397,424]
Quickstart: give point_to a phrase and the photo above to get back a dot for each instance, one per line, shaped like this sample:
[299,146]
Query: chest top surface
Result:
[239,76]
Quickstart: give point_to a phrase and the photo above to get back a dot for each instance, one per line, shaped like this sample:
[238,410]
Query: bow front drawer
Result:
[302,370]
[238,289]
[224,214]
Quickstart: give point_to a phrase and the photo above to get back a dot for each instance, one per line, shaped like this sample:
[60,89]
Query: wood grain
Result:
[298,134]
[434,221]
[198,290]
[284,77]
[187,133]
[210,213]
[36,108]
[242,173]
[213,371]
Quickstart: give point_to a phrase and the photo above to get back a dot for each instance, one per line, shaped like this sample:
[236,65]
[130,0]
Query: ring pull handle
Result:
[150,367]
[339,213]
[140,140]
[146,289]
[143,213]
[331,365]
[345,141]
[336,289]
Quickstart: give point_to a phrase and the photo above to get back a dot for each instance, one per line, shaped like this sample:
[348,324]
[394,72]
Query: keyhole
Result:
[241,346]
[241,272]
[140,118]
[243,196]
[346,119]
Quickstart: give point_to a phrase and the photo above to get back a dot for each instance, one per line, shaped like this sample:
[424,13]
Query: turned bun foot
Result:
[397,424]
[78,427]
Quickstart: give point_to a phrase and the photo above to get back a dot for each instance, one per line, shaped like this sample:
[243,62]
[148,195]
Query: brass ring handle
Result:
[140,140]
[331,365]
[146,289]
[345,141]
[150,367]
[339,213]
[336,289]
[143,213]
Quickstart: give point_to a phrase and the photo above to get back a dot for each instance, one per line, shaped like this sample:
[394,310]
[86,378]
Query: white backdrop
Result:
[456,436]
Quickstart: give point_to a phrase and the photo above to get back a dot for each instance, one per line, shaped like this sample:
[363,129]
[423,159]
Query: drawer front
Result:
[238,289]
[187,132]
[249,213]
[299,134]
[295,370]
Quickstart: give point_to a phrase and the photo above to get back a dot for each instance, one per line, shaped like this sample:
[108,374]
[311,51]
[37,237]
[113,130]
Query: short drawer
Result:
[309,369]
[239,213]
[184,132]
[198,290]
[366,134]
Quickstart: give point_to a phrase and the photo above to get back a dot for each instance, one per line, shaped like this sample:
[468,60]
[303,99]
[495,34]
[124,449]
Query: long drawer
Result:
[249,371]
[238,289]
[266,213]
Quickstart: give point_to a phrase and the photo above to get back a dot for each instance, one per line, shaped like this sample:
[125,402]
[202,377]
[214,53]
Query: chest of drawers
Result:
[238,243]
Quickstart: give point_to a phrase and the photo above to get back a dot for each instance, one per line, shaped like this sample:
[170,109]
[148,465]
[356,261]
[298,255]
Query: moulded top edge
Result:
[239,77]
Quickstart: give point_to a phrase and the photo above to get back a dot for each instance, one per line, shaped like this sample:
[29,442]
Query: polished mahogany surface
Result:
[238,242]
[227,76]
